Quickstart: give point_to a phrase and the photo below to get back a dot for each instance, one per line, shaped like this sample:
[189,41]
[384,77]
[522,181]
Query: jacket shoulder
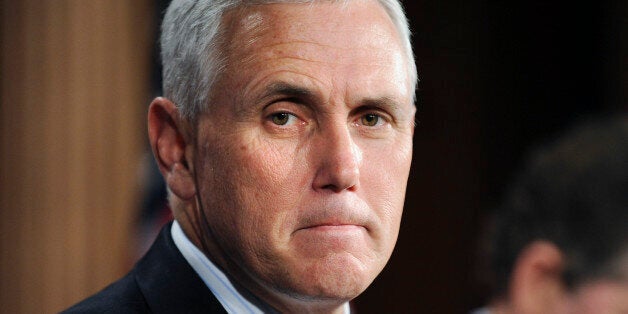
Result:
[161,282]
[122,296]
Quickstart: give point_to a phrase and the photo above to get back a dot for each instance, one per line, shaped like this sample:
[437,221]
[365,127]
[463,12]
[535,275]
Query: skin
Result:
[597,297]
[301,164]
[602,296]
[537,287]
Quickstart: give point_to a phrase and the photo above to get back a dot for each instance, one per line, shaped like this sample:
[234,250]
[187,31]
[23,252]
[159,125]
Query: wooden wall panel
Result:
[74,91]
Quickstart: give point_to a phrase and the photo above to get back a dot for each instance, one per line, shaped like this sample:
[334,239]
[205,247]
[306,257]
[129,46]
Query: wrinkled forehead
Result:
[359,24]
[307,21]
[331,39]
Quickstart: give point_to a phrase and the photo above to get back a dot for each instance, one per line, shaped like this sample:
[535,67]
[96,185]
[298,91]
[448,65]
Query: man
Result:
[285,140]
[560,243]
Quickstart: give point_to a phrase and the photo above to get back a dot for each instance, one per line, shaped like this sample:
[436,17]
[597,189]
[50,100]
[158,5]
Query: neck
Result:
[266,298]
[269,299]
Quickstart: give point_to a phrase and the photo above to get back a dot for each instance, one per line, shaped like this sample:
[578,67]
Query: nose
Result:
[338,160]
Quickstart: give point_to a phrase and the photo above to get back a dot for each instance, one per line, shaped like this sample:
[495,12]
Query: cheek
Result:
[266,180]
[384,178]
[603,297]
[272,171]
[251,188]
[385,169]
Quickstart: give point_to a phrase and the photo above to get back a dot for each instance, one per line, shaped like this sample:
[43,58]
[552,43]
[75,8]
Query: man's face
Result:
[303,157]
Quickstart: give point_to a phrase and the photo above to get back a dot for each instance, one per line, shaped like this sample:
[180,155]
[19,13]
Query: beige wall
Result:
[74,91]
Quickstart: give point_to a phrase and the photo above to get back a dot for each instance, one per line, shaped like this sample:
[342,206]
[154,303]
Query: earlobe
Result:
[181,181]
[169,145]
[535,284]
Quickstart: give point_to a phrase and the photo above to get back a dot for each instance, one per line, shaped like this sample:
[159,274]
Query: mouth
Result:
[332,237]
[333,229]
[336,220]
[332,226]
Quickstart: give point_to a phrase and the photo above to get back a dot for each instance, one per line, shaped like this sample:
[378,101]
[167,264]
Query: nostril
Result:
[337,188]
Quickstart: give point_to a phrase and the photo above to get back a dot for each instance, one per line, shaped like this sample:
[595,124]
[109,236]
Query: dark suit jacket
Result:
[161,282]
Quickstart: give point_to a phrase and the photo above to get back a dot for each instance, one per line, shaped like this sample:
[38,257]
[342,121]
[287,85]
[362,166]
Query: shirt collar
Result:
[211,275]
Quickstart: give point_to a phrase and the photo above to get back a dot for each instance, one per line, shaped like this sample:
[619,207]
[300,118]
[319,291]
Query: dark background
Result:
[496,77]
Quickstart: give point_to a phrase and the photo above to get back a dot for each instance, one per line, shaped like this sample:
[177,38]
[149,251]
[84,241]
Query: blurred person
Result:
[285,140]
[560,238]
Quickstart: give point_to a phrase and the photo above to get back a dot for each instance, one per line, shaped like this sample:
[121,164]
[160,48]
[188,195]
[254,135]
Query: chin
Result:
[338,277]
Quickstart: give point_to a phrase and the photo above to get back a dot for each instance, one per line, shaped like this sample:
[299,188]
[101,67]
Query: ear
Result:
[168,142]
[536,285]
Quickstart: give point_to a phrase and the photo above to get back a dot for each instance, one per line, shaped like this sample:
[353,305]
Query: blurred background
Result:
[80,198]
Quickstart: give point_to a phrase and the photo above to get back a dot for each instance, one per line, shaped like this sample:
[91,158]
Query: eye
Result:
[282,118]
[371,119]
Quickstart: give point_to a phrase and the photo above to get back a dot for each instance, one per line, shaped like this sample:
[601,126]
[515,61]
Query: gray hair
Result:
[191,43]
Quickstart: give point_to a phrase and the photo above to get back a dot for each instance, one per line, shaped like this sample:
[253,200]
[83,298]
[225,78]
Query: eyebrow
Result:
[286,89]
[382,102]
[273,90]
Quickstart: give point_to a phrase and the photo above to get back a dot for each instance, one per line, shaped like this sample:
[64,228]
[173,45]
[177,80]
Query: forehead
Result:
[323,21]
[349,38]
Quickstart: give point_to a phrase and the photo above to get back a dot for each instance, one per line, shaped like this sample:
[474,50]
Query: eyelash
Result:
[290,118]
[363,119]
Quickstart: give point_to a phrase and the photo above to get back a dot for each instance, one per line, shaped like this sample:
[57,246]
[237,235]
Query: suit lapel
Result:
[169,283]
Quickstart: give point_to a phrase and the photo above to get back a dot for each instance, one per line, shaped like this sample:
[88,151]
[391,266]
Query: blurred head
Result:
[286,141]
[561,236]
